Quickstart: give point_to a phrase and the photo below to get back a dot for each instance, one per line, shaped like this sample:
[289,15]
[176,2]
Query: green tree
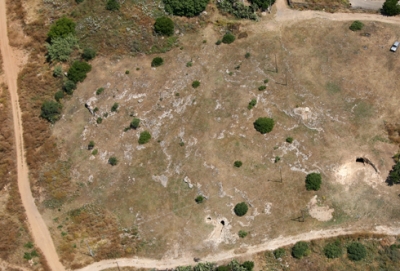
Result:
[207,266]
[112,5]
[228,38]
[249,265]
[333,250]
[300,249]
[157,61]
[264,125]
[394,174]
[69,87]
[356,251]
[51,111]
[135,123]
[61,28]
[144,137]
[188,8]
[88,54]
[61,48]
[313,181]
[391,8]
[356,25]
[164,26]
[241,209]
[263,4]
[77,72]
[279,253]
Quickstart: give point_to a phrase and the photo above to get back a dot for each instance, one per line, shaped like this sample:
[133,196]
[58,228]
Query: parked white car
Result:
[395,46]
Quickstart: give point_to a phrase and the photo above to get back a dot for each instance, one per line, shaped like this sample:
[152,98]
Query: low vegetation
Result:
[237,164]
[289,140]
[356,26]
[51,111]
[313,181]
[279,253]
[144,137]
[333,250]
[241,209]
[78,70]
[228,38]
[113,161]
[356,251]
[164,26]
[252,103]
[113,5]
[196,84]
[300,250]
[157,62]
[199,199]
[88,54]
[242,233]
[188,8]
[135,123]
[264,125]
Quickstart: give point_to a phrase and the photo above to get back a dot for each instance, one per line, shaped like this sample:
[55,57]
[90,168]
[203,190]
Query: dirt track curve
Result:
[39,230]
[283,16]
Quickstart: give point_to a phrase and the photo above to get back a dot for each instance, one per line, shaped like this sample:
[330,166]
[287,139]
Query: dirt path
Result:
[39,230]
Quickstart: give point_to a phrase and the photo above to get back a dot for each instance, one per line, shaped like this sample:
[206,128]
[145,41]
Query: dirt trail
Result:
[39,230]
[283,16]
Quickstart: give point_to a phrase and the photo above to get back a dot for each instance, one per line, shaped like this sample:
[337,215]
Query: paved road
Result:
[367,4]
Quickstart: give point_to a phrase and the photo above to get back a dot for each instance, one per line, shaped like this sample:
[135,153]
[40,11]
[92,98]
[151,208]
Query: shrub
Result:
[242,233]
[237,164]
[94,152]
[164,26]
[77,72]
[113,161]
[247,55]
[59,95]
[218,42]
[57,72]
[135,123]
[223,268]
[99,120]
[78,1]
[188,8]
[144,137]
[356,25]
[51,111]
[127,72]
[289,139]
[241,209]
[313,181]
[300,249]
[195,84]
[112,5]
[356,251]
[91,145]
[238,9]
[99,91]
[157,62]
[261,88]
[189,64]
[277,159]
[279,253]
[199,199]
[61,48]
[252,103]
[264,125]
[394,174]
[27,256]
[266,81]
[249,265]
[61,28]
[333,250]
[114,107]
[263,4]
[69,87]
[88,54]
[228,38]
[391,8]
[28,245]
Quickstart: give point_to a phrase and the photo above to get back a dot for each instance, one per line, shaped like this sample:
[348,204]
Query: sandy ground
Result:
[4,266]
[38,228]
[283,15]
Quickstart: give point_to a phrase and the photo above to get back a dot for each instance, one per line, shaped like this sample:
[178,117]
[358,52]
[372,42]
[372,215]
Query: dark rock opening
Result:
[360,160]
[223,223]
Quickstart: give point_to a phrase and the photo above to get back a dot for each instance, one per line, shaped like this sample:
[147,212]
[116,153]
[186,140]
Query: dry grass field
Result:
[330,89]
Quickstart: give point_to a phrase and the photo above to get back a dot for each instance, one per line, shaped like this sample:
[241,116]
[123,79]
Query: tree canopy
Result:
[77,72]
[51,111]
[61,28]
[263,4]
[356,251]
[241,209]
[264,125]
[164,26]
[394,175]
[313,181]
[188,8]
[391,7]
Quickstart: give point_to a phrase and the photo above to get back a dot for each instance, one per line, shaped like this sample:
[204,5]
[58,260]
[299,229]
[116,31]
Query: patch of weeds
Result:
[252,103]
[332,88]
[105,115]
[189,64]
[362,111]
[135,123]
[247,55]
[237,67]
[228,38]
[63,233]
[242,233]
[181,143]
[230,73]
[177,94]
[199,199]
[196,84]
[237,164]
[289,139]
[204,41]
[138,69]
[95,109]
[99,91]
[261,88]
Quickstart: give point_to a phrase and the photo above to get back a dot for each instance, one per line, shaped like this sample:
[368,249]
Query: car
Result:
[395,46]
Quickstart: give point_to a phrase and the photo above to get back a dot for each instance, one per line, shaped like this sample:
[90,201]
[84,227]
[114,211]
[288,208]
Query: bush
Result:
[112,5]
[249,265]
[237,164]
[356,25]
[242,234]
[238,9]
[99,91]
[356,251]
[78,1]
[91,145]
[391,8]
[223,268]
[252,103]
[188,8]
[313,181]
[279,253]
[266,81]
[264,125]
[195,84]
[261,88]
[114,107]
[61,28]
[88,54]
[135,123]
[300,249]
[199,199]
[57,72]
[228,38]
[69,87]
[51,111]
[94,152]
[113,161]
[164,26]
[394,174]
[157,62]
[59,95]
[61,48]
[218,42]
[289,139]
[263,4]
[77,72]
[247,55]
[333,250]
[99,120]
[241,209]
[144,137]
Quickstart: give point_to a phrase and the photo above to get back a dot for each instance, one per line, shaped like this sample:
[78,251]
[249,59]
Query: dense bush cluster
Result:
[356,251]
[252,103]
[61,29]
[188,8]
[394,174]
[300,249]
[164,26]
[391,8]
[264,125]
[241,209]
[313,181]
